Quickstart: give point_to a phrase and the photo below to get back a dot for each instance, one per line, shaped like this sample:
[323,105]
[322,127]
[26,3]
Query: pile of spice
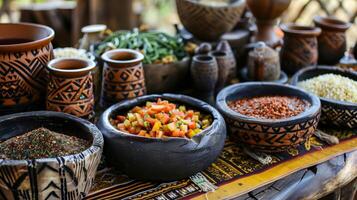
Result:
[162,119]
[41,143]
[269,107]
[332,86]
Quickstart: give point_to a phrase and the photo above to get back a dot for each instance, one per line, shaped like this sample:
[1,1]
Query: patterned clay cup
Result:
[50,178]
[70,88]
[204,73]
[332,41]
[25,50]
[224,46]
[223,64]
[123,76]
[300,47]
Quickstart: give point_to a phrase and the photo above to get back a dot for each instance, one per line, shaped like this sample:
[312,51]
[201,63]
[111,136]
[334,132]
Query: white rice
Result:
[70,52]
[332,86]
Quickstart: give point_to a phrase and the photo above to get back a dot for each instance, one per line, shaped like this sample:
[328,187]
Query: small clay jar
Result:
[223,64]
[204,73]
[263,63]
[332,40]
[300,47]
[70,87]
[224,46]
[203,49]
[123,76]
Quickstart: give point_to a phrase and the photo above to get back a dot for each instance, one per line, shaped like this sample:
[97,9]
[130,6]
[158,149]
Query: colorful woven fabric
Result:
[234,173]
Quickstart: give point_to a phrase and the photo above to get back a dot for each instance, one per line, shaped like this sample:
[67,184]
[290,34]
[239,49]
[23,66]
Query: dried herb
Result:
[41,143]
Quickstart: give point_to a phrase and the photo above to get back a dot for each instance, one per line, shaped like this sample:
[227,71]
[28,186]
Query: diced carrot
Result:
[120,118]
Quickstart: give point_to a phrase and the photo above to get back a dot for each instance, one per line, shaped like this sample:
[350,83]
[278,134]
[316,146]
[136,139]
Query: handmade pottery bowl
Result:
[49,178]
[162,159]
[25,50]
[161,78]
[207,22]
[264,134]
[333,112]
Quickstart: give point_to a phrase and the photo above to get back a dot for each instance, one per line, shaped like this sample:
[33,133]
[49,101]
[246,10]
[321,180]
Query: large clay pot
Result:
[70,88]
[25,50]
[300,47]
[123,76]
[209,23]
[332,41]
[204,73]
[266,13]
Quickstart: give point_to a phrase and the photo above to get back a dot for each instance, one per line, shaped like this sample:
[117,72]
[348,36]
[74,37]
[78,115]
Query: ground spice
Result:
[269,107]
[41,143]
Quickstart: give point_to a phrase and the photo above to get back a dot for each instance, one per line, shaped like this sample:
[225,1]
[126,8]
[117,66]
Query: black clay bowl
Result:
[49,178]
[264,134]
[162,159]
[333,112]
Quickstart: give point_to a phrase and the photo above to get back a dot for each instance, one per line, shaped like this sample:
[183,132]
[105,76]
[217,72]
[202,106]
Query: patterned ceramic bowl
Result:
[338,113]
[49,178]
[164,159]
[264,134]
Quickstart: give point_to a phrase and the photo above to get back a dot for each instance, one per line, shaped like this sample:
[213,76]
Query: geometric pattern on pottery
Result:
[66,178]
[272,139]
[299,52]
[71,95]
[338,117]
[332,40]
[123,83]
[23,76]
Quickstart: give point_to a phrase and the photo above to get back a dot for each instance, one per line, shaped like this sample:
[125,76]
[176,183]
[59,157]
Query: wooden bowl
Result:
[264,134]
[337,113]
[164,159]
[49,178]
[209,23]
[161,78]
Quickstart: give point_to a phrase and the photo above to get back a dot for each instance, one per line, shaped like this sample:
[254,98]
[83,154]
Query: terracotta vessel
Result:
[266,13]
[332,40]
[204,73]
[223,64]
[232,71]
[206,22]
[70,88]
[92,34]
[300,47]
[263,63]
[25,50]
[123,76]
[64,177]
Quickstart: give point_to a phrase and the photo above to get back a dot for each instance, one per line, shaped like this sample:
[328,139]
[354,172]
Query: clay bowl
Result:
[283,78]
[25,50]
[209,23]
[264,134]
[165,159]
[161,78]
[49,178]
[333,112]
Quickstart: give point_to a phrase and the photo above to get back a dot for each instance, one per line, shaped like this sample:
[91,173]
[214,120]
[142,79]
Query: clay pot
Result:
[209,23]
[204,73]
[263,63]
[332,40]
[25,50]
[92,34]
[204,48]
[300,47]
[50,178]
[232,68]
[123,76]
[266,13]
[223,64]
[70,88]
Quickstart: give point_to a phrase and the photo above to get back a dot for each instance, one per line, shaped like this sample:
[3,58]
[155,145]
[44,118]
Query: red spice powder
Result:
[269,107]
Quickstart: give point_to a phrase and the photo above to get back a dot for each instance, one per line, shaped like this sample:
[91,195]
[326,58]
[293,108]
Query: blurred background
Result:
[67,17]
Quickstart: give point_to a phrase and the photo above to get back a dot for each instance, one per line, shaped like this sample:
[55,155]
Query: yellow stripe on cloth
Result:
[251,182]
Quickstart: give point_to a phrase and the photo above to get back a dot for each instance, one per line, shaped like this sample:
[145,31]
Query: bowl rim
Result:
[90,65]
[237,3]
[97,142]
[31,44]
[296,76]
[184,99]
[223,107]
